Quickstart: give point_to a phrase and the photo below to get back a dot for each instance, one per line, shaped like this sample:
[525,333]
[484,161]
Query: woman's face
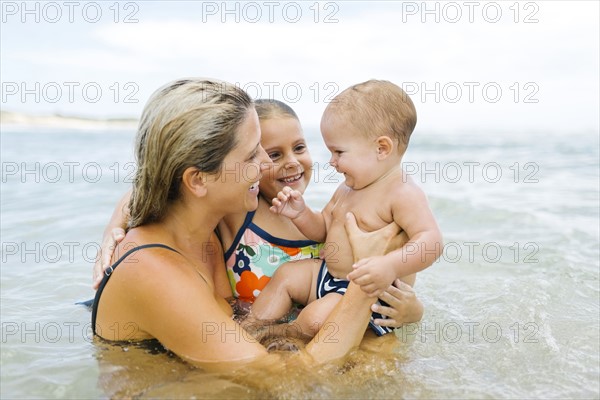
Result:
[243,168]
[284,142]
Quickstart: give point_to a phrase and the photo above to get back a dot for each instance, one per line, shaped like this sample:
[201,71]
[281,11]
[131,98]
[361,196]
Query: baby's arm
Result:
[412,213]
[113,234]
[290,203]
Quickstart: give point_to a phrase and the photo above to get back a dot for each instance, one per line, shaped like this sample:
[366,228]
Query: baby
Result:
[366,128]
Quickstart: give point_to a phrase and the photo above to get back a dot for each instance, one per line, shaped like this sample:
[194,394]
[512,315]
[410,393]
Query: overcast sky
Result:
[472,65]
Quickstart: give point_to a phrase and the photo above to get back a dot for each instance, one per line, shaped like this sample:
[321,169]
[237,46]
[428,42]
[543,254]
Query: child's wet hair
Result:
[377,108]
[270,108]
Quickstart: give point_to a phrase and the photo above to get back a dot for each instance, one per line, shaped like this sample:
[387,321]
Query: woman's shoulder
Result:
[148,257]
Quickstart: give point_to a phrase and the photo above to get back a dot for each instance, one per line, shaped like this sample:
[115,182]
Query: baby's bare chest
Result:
[372,212]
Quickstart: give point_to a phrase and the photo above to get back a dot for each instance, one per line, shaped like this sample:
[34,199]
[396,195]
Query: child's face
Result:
[352,154]
[283,140]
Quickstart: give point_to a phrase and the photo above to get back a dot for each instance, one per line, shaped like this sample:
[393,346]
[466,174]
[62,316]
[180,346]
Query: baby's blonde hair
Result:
[377,108]
[186,123]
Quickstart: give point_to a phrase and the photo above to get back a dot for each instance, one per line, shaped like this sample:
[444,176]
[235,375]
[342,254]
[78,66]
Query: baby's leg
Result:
[293,281]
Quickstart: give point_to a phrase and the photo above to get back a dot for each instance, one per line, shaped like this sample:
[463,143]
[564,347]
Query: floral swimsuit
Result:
[255,255]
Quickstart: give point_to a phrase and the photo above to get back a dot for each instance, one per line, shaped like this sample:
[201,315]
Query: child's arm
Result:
[113,234]
[374,274]
[290,203]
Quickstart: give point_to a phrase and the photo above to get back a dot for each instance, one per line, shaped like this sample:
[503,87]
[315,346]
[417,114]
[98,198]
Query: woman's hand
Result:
[404,306]
[110,240]
[345,327]
[366,244]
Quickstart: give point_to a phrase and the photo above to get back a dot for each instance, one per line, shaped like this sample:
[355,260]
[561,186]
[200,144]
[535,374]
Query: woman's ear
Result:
[385,145]
[195,181]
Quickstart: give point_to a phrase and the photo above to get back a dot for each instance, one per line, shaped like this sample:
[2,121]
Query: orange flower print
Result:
[250,286]
[292,251]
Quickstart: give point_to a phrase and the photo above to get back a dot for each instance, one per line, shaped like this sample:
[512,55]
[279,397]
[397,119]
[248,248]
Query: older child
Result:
[259,242]
[367,129]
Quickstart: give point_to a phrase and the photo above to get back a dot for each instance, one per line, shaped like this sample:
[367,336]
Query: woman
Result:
[199,158]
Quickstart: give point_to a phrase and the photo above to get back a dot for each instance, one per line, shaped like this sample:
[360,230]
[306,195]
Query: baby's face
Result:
[352,153]
[284,142]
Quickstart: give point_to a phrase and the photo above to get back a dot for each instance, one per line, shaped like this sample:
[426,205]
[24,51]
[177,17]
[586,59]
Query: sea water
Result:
[511,308]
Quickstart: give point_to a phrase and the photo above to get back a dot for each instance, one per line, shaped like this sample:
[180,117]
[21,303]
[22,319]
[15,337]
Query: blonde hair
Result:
[186,123]
[269,108]
[377,108]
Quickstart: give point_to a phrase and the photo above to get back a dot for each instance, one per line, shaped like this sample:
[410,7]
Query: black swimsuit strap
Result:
[111,269]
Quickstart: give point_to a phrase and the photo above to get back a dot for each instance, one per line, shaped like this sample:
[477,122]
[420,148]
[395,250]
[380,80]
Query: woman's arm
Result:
[404,306]
[158,293]
[345,327]
[113,234]
[165,297]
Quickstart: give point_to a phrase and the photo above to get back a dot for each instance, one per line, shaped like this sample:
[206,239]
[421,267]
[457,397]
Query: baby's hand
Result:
[373,275]
[288,203]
